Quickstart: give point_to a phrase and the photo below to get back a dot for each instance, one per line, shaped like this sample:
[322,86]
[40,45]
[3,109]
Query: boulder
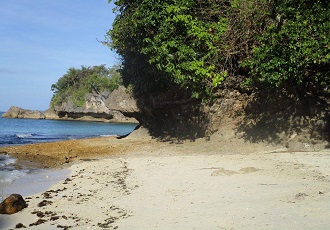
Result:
[17,112]
[12,204]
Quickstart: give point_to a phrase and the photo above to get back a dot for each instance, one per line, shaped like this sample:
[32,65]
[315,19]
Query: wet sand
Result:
[35,182]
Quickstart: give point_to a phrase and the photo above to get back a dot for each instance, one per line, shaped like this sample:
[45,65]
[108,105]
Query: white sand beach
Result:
[178,186]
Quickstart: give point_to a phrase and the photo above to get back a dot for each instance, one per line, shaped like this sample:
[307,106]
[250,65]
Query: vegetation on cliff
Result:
[77,83]
[198,44]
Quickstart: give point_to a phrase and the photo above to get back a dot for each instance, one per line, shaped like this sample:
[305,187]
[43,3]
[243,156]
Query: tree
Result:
[168,42]
[76,83]
[294,51]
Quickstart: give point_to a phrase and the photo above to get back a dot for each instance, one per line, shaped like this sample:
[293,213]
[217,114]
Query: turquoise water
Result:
[29,131]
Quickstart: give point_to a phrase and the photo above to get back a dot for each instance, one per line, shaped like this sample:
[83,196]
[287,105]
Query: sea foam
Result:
[24,135]
[6,160]
[8,173]
[7,177]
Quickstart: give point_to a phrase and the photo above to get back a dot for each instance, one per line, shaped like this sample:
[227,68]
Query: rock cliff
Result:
[106,107]
[97,107]
[272,118]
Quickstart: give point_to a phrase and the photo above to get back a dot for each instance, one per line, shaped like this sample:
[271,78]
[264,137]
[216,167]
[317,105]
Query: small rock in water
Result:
[12,204]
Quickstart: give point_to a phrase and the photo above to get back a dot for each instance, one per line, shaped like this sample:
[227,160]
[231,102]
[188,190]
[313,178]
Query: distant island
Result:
[106,107]
[88,94]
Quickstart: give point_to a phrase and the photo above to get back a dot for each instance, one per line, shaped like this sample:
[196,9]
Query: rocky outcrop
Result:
[264,117]
[93,109]
[94,104]
[51,114]
[12,204]
[16,112]
[168,114]
[275,118]
[121,100]
[117,106]
[97,107]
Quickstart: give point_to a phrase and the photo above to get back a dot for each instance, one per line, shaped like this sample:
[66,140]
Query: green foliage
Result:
[76,83]
[295,49]
[170,42]
[198,43]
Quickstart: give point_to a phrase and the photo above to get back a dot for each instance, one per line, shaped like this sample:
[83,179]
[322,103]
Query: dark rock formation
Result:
[167,115]
[12,204]
[16,112]
[280,118]
[285,118]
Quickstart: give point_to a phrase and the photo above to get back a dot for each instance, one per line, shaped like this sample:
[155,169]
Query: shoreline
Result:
[141,183]
[35,182]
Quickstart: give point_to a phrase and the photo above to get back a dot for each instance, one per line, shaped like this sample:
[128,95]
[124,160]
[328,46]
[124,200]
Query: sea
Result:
[29,131]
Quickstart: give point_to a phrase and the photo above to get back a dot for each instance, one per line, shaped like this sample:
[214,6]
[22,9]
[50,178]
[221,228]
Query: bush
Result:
[294,50]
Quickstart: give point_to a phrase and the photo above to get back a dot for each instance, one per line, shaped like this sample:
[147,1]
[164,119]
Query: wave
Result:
[8,172]
[6,160]
[14,139]
[24,135]
[109,135]
[10,176]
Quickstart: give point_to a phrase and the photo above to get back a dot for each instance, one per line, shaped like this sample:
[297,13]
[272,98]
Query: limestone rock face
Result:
[12,204]
[51,114]
[94,103]
[104,106]
[16,112]
[122,101]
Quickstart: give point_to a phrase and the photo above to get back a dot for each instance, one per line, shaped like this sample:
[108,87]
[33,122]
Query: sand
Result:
[146,184]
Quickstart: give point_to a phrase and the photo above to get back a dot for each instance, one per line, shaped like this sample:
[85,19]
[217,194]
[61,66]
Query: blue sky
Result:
[41,39]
